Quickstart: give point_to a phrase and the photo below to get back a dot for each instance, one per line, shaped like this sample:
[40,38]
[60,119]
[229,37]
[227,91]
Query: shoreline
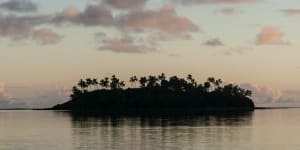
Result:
[256,108]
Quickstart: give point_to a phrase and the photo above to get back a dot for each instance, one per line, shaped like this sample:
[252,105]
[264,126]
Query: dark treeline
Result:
[157,94]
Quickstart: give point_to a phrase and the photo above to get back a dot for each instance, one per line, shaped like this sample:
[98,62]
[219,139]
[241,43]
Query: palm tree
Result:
[104,82]
[192,81]
[121,84]
[176,84]
[95,83]
[82,84]
[206,86]
[152,81]
[218,82]
[88,82]
[75,92]
[116,83]
[163,81]
[248,93]
[212,82]
[143,81]
[133,80]
[162,77]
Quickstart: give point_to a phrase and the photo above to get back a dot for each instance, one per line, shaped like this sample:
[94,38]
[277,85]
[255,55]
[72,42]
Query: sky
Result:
[47,46]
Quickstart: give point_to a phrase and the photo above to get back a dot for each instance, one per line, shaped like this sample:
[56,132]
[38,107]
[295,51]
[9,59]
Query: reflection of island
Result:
[157,95]
[161,132]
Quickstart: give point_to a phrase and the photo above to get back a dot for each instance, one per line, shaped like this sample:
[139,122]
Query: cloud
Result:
[48,98]
[237,50]
[14,27]
[164,20]
[93,15]
[213,42]
[188,2]
[126,4]
[46,36]
[291,11]
[267,95]
[228,11]
[7,100]
[19,5]
[19,27]
[174,55]
[22,27]
[125,45]
[32,97]
[263,94]
[270,36]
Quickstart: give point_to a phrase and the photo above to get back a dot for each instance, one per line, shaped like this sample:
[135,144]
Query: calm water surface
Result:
[50,130]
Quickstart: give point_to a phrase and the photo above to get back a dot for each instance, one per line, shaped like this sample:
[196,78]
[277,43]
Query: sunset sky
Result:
[47,46]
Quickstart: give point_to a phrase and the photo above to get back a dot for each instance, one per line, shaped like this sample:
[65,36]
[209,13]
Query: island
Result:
[157,95]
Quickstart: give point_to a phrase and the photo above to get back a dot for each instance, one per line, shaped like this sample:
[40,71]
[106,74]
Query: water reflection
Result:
[160,132]
[85,121]
[50,130]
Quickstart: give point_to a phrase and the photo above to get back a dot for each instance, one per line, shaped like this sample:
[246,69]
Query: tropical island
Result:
[157,95]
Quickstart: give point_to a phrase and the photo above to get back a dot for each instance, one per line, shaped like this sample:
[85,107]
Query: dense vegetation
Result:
[157,94]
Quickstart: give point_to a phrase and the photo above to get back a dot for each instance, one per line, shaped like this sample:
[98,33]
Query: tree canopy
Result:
[159,93]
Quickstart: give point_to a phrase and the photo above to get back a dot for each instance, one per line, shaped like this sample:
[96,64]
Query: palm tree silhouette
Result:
[133,81]
[75,92]
[104,82]
[82,84]
[88,82]
[95,83]
[143,81]
[192,81]
[116,83]
[162,79]
[152,81]
[206,86]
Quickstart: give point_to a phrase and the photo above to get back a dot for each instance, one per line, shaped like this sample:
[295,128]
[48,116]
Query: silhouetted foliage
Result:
[157,93]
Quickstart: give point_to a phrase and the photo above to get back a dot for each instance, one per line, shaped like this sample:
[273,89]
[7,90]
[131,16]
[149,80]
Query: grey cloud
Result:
[19,27]
[228,11]
[14,27]
[125,45]
[126,4]
[213,42]
[237,50]
[19,5]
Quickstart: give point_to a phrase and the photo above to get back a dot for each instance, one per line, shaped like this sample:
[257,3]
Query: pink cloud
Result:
[164,20]
[291,11]
[270,36]
[93,15]
[218,1]
[7,100]
[266,95]
[46,36]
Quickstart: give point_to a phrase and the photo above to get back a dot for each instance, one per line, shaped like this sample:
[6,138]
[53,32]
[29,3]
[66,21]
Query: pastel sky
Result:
[47,46]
